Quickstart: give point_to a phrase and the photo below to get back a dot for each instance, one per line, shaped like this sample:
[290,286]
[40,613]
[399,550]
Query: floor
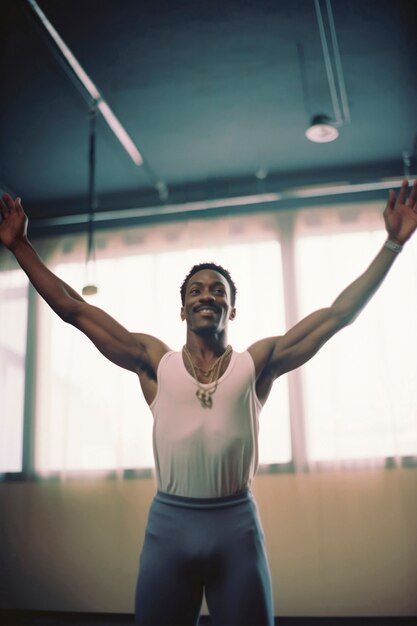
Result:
[38,618]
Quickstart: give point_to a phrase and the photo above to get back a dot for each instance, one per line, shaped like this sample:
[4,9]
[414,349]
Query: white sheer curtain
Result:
[13,326]
[359,392]
[353,404]
[90,415]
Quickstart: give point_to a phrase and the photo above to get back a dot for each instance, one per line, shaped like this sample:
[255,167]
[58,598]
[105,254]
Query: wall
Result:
[342,543]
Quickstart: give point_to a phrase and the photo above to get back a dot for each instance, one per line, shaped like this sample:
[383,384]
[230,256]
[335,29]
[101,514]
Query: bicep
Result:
[131,351]
[287,352]
[303,341]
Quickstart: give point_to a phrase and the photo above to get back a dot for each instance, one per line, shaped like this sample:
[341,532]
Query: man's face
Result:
[207,306]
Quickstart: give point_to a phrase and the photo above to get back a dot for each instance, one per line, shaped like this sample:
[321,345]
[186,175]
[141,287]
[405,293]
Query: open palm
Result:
[13,226]
[400,214]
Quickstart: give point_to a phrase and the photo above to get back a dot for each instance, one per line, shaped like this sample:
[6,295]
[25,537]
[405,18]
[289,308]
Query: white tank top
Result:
[205,452]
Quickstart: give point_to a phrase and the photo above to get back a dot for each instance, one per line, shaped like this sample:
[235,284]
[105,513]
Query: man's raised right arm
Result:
[132,351]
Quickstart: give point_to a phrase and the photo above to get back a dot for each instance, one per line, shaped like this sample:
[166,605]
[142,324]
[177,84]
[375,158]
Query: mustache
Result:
[211,306]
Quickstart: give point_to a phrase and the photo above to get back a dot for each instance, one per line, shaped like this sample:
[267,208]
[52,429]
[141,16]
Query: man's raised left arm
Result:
[276,355]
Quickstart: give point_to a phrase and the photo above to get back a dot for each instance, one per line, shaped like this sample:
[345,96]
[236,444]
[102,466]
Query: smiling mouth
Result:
[205,309]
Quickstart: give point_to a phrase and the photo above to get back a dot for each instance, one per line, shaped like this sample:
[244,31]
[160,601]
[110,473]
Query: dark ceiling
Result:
[212,92]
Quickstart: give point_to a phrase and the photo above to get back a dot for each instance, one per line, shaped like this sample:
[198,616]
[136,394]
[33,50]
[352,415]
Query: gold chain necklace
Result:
[205,395]
[206,373]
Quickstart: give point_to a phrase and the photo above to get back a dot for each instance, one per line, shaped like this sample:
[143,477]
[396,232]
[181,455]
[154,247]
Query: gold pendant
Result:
[205,398]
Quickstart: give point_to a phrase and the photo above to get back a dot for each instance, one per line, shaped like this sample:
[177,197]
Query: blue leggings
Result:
[213,545]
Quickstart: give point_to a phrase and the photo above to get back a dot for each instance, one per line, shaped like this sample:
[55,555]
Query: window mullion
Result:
[30,387]
[295,389]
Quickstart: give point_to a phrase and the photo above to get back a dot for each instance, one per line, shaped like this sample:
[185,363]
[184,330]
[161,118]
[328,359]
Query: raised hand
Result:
[13,225]
[400,214]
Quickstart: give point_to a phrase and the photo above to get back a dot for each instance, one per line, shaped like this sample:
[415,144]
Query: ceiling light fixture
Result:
[321,130]
[90,288]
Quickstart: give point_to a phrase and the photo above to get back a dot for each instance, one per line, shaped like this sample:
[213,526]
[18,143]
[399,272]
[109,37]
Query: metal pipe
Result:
[338,65]
[98,100]
[328,65]
[308,192]
[89,85]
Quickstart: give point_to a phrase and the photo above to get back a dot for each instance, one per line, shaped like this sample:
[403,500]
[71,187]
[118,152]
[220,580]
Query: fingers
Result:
[8,202]
[412,200]
[8,205]
[403,191]
[402,196]
[4,210]
[391,199]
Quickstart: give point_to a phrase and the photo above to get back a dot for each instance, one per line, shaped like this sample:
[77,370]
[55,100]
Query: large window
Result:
[13,324]
[91,414]
[353,403]
[359,391]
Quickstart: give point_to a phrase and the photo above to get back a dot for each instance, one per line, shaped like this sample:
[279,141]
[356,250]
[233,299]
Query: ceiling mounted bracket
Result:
[93,95]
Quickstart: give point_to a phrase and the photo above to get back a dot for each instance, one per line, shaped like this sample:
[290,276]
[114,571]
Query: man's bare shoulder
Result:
[153,349]
[261,352]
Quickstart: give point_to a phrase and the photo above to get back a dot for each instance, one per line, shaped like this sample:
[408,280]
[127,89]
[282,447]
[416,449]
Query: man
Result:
[203,529]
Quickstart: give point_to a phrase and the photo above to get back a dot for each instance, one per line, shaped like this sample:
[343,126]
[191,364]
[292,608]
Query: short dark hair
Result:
[216,268]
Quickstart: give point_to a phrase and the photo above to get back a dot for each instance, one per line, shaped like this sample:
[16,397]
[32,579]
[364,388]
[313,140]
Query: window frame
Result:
[285,232]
